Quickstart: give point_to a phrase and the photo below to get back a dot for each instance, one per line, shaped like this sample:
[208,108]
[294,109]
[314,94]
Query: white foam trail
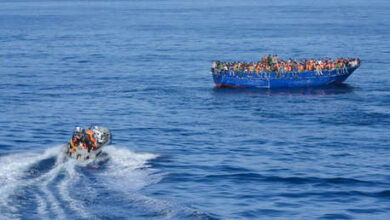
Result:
[12,168]
[67,168]
[124,168]
[54,204]
[127,170]
[42,207]
[125,158]
[71,178]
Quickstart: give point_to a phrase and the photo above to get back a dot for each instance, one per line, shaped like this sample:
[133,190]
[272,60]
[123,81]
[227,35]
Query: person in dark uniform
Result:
[86,140]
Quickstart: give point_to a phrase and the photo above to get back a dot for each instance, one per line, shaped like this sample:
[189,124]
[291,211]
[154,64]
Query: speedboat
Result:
[103,137]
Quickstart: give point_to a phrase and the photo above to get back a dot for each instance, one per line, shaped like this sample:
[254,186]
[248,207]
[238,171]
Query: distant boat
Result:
[281,80]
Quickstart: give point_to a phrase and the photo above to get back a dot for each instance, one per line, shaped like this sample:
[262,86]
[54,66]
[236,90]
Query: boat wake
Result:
[48,185]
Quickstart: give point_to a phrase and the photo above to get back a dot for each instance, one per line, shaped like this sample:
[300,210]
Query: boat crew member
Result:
[76,139]
[91,141]
[85,142]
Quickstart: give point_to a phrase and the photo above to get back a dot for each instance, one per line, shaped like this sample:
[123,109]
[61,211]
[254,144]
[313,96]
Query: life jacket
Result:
[72,145]
[257,68]
[93,140]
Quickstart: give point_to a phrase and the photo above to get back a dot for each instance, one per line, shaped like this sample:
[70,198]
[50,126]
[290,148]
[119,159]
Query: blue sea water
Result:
[183,149]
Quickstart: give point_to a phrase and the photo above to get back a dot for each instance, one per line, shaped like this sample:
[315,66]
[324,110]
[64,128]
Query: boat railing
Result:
[281,75]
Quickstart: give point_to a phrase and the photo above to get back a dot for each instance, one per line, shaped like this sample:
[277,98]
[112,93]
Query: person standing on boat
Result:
[213,66]
[84,140]
[220,66]
[231,69]
[275,59]
[269,60]
[75,140]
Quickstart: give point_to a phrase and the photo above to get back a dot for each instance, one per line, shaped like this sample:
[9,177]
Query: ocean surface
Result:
[182,148]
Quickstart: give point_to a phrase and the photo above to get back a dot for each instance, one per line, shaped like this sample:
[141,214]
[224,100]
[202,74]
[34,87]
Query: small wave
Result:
[384,193]
[338,194]
[291,180]
[336,216]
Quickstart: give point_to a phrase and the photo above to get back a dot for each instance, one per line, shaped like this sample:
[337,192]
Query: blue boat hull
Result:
[278,80]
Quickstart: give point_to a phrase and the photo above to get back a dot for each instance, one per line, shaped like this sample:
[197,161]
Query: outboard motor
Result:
[102,135]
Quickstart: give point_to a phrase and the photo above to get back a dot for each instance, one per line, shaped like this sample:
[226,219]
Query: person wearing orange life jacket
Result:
[91,141]
[257,68]
[75,140]
[80,139]
[251,67]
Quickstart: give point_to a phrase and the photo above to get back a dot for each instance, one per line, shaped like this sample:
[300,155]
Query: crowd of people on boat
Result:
[271,64]
[83,139]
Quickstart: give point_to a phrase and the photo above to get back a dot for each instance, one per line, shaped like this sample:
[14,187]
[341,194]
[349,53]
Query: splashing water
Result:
[48,185]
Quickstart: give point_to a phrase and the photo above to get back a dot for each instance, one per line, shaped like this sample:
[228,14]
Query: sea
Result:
[183,148]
